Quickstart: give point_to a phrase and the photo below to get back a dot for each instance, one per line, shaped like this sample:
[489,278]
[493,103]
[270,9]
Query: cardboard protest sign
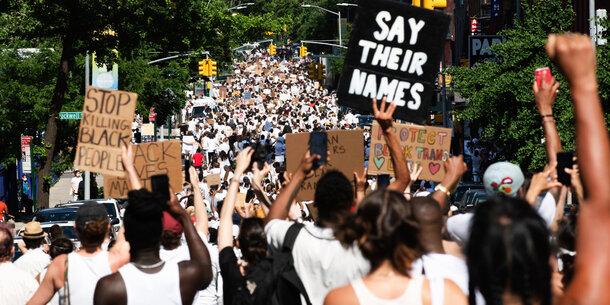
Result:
[210,121]
[394,51]
[104,128]
[346,155]
[213,179]
[240,200]
[426,145]
[222,92]
[149,159]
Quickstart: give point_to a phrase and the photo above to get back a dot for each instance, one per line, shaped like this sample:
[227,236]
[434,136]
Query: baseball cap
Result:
[170,223]
[90,211]
[503,177]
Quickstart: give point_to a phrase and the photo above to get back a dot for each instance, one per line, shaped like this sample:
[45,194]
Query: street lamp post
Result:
[241,6]
[336,13]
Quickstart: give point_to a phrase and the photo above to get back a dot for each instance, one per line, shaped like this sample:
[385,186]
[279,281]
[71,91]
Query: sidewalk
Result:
[60,192]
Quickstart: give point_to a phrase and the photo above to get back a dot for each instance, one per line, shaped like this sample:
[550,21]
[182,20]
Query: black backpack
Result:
[274,281]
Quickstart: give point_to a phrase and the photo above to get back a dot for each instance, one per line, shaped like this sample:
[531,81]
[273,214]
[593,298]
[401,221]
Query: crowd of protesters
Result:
[246,240]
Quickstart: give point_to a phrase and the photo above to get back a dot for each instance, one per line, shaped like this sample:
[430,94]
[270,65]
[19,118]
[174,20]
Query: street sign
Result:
[26,161]
[70,115]
[479,48]
[152,115]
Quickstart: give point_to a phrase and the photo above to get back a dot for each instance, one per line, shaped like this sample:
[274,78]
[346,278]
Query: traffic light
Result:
[313,71]
[430,4]
[272,49]
[321,71]
[212,67]
[203,67]
[302,51]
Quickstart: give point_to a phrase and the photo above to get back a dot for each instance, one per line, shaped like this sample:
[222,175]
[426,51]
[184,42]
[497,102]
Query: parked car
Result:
[112,206]
[456,196]
[468,198]
[66,226]
[55,214]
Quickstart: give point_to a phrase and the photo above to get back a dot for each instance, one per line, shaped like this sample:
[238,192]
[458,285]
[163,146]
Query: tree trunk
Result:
[50,135]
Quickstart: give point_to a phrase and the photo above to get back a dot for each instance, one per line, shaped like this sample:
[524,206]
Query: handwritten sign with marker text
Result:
[105,127]
[346,149]
[394,51]
[150,159]
[426,145]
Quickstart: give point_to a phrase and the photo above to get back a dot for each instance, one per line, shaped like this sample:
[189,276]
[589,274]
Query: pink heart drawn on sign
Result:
[434,168]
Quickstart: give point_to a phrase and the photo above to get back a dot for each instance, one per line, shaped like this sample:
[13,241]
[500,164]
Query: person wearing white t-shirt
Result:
[320,259]
[74,184]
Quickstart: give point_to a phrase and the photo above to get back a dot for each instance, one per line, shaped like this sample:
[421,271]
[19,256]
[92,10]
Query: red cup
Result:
[538,74]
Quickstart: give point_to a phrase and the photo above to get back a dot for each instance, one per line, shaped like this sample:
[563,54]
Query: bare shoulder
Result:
[453,294]
[57,268]
[342,295]
[110,290]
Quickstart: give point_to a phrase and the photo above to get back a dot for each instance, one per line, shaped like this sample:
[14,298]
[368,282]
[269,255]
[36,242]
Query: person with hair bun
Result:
[387,234]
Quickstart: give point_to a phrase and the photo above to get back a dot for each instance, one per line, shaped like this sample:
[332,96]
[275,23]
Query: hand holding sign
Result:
[307,164]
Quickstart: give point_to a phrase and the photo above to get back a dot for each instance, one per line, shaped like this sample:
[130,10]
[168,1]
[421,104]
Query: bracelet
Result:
[547,116]
[443,189]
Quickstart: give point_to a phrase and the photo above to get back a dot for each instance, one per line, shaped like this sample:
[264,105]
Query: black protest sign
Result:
[104,128]
[394,51]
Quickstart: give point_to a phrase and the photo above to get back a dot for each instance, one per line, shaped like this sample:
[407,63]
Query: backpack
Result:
[274,280]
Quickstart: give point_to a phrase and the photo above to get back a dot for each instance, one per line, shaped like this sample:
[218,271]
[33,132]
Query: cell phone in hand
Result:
[538,74]
[259,156]
[187,166]
[318,146]
[160,184]
[564,160]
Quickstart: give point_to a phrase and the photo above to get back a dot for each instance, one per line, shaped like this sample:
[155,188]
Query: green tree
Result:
[500,97]
[68,29]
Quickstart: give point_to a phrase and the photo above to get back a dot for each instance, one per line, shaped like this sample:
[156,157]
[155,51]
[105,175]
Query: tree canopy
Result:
[500,95]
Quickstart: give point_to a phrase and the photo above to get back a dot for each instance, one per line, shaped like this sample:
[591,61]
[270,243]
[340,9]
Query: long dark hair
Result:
[385,229]
[252,240]
[509,248]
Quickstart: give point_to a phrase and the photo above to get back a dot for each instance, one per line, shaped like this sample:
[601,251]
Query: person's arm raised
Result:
[455,167]
[540,183]
[198,270]
[257,186]
[383,116]
[119,255]
[128,159]
[201,214]
[281,205]
[545,97]
[225,228]
[575,56]
[361,185]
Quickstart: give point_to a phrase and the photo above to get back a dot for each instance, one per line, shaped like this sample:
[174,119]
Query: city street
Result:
[334,152]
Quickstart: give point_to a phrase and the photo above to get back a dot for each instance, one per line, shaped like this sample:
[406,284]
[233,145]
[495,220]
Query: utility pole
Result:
[87,173]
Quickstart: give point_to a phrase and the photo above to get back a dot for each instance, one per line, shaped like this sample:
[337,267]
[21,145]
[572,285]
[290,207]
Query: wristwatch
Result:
[443,189]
